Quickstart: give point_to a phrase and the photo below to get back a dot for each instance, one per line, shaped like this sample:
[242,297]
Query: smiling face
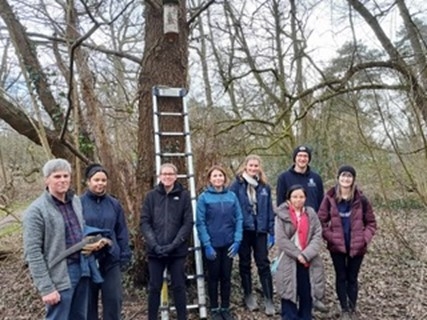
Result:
[58,183]
[301,161]
[217,179]
[168,177]
[297,199]
[345,180]
[252,167]
[98,183]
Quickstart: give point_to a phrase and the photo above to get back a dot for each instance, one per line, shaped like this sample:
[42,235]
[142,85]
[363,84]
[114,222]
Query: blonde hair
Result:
[262,178]
[219,168]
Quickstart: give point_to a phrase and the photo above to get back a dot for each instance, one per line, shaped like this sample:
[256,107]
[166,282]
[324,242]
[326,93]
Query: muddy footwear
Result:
[353,315]
[269,307]
[250,302]
[216,314]
[319,306]
[226,314]
[345,316]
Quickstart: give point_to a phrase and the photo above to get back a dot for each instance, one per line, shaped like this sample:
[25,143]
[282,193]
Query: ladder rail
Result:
[180,93]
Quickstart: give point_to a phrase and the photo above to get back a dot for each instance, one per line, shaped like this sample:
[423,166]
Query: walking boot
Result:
[319,306]
[267,288]
[216,314]
[250,302]
[345,316]
[226,314]
[269,307]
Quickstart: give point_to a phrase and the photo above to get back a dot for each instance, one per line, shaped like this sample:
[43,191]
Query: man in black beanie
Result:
[300,173]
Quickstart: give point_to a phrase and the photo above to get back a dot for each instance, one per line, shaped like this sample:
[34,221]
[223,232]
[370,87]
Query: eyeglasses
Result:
[168,174]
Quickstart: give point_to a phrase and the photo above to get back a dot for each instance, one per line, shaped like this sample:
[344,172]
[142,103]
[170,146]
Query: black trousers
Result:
[302,311]
[256,244]
[176,268]
[219,274]
[346,282]
[111,295]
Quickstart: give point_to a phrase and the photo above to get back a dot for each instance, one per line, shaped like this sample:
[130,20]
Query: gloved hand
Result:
[234,248]
[96,246]
[270,241]
[210,253]
[160,251]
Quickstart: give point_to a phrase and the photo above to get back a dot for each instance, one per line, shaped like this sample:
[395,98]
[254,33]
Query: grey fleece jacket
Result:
[44,239]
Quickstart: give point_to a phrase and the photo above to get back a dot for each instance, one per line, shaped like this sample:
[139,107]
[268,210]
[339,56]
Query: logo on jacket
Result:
[176,198]
[311,183]
[264,192]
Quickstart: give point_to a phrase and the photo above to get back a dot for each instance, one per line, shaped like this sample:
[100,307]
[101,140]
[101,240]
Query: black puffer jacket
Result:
[167,219]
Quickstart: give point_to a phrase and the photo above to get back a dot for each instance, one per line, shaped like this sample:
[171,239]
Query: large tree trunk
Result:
[165,63]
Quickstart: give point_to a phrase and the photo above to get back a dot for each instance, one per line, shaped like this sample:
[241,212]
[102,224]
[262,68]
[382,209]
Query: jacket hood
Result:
[211,189]
[306,173]
[177,188]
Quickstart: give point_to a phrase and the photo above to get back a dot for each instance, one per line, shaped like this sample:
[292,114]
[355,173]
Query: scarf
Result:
[301,225]
[251,192]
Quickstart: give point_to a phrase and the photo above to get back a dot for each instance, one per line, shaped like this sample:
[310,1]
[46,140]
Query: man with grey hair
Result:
[52,224]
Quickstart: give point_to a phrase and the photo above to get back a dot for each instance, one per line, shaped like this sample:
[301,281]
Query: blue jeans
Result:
[74,301]
[111,295]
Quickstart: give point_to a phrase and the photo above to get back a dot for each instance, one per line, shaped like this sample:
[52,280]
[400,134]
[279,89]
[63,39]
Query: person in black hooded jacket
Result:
[166,224]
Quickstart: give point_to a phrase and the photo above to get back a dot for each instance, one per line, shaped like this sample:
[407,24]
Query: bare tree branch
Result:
[200,11]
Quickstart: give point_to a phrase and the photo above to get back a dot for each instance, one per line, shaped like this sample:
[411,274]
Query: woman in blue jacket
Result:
[219,225]
[254,194]
[103,211]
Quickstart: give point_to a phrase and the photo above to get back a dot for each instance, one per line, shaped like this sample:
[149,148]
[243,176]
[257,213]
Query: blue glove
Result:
[210,253]
[270,241]
[234,248]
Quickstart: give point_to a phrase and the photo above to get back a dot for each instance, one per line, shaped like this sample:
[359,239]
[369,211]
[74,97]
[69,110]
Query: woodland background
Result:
[348,78]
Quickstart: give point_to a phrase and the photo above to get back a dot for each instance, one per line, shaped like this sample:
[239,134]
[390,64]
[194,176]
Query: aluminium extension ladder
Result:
[159,116]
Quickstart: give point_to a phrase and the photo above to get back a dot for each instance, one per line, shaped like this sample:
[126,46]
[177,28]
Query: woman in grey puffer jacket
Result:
[299,276]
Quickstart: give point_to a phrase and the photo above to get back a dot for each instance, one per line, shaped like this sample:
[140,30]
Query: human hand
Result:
[52,298]
[210,253]
[96,246]
[233,249]
[302,260]
[270,241]
[160,251]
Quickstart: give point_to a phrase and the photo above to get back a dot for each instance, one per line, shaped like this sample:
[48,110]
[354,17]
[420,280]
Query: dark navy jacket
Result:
[105,212]
[219,219]
[311,182]
[263,221]
[167,219]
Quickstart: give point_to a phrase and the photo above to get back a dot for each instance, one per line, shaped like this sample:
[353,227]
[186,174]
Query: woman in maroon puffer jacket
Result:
[348,224]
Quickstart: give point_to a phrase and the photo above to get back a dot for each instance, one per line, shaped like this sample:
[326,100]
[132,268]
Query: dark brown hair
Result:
[219,168]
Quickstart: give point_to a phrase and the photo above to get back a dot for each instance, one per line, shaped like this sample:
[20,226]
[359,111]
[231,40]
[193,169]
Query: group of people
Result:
[76,247]
[236,219]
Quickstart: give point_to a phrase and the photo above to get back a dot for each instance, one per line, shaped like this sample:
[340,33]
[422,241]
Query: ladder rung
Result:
[169,92]
[172,134]
[189,306]
[171,114]
[172,154]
